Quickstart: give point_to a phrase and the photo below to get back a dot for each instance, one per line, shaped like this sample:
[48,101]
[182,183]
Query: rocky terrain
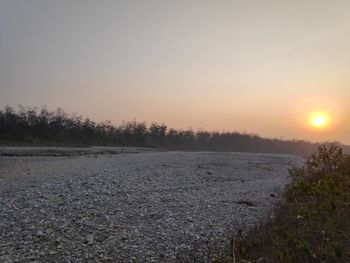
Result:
[136,206]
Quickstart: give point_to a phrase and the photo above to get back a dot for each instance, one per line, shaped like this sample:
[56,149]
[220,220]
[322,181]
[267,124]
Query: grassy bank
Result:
[313,225]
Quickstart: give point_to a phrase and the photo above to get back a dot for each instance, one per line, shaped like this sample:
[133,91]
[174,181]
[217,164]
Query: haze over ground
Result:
[257,66]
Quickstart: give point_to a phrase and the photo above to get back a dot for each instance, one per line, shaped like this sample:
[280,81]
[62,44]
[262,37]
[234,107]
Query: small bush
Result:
[313,225]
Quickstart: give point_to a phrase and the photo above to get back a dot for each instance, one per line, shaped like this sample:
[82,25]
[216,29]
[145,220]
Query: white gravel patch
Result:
[142,207]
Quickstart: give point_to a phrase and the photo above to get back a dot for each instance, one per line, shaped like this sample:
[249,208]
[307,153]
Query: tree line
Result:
[35,126]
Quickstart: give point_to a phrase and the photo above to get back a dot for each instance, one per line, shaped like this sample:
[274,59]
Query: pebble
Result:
[83,209]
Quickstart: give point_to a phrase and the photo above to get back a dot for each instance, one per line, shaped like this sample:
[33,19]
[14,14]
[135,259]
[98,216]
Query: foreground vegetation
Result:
[313,225]
[34,126]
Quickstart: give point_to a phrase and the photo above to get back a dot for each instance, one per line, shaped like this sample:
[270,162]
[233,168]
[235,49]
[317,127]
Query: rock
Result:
[89,240]
[6,259]
[39,233]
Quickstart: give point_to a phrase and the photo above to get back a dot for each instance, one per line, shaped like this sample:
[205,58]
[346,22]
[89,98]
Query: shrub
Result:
[313,224]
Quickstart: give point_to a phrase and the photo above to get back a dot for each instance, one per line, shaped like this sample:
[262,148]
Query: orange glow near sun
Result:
[319,120]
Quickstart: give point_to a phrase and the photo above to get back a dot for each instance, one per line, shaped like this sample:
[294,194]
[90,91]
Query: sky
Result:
[250,66]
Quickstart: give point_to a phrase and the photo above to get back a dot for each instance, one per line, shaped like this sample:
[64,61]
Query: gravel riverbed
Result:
[132,207]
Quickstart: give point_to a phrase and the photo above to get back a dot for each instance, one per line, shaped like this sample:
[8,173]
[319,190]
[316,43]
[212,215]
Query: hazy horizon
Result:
[259,66]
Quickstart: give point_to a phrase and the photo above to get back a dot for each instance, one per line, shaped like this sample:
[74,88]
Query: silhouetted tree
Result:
[41,125]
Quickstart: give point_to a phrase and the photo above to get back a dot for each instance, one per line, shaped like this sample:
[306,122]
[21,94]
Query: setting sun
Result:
[319,120]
